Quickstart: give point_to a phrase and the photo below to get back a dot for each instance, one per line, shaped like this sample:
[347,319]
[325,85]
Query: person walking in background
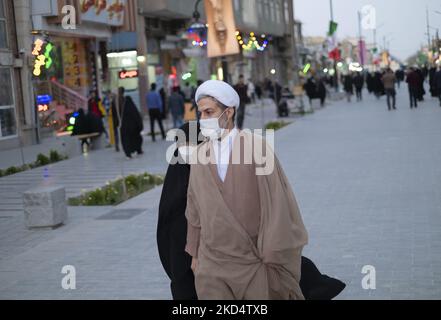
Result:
[176,105]
[413,82]
[258,91]
[359,83]
[194,106]
[389,81]
[438,84]
[378,85]
[321,91]
[242,90]
[131,125]
[348,85]
[311,89]
[156,109]
[421,78]
[399,74]
[277,92]
[187,92]
[251,91]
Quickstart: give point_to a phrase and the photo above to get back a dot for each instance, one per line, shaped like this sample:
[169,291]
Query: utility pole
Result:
[428,28]
[295,54]
[360,45]
[142,58]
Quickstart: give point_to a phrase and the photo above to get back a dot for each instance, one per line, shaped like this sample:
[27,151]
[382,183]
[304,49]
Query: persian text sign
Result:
[110,12]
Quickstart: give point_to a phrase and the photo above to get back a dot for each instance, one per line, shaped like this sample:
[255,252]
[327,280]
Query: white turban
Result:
[221,91]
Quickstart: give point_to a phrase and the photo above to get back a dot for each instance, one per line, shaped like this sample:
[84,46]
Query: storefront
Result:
[75,62]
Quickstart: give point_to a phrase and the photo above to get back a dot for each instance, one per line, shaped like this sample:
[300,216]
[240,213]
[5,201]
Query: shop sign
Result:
[42,53]
[128,74]
[110,12]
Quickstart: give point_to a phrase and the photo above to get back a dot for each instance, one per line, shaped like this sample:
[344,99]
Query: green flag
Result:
[332,28]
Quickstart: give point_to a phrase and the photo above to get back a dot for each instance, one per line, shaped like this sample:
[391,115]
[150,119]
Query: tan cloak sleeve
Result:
[193,225]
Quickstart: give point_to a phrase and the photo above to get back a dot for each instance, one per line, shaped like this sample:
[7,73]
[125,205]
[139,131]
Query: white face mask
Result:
[186,152]
[210,127]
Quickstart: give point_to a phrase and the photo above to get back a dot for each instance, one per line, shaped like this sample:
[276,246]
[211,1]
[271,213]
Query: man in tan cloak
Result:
[245,232]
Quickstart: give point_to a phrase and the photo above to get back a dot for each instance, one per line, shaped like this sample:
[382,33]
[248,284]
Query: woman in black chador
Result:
[172,237]
[131,124]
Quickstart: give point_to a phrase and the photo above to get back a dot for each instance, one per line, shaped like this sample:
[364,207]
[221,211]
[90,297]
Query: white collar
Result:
[227,139]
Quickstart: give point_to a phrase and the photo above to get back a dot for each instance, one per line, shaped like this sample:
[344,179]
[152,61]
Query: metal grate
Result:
[121,214]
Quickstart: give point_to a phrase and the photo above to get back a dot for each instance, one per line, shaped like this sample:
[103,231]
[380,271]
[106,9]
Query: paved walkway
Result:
[368,183]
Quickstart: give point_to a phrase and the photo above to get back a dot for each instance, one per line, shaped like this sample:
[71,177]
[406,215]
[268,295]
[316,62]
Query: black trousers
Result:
[359,94]
[155,115]
[413,95]
[390,93]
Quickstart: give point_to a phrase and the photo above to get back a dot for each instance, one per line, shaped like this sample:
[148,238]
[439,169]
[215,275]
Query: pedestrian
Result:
[438,83]
[187,92]
[399,74]
[348,85]
[359,83]
[156,109]
[131,126]
[310,88]
[242,90]
[107,101]
[413,83]
[172,232]
[258,91]
[277,92]
[194,106]
[420,89]
[389,81]
[251,91]
[176,105]
[245,232]
[378,85]
[321,91]
[370,82]
[82,126]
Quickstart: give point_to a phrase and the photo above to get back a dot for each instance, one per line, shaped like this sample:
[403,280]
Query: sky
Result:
[402,22]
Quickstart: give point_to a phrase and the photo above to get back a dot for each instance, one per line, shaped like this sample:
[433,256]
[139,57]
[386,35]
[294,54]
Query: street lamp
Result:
[197,25]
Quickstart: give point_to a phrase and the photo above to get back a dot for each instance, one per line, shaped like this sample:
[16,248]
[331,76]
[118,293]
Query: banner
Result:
[221,28]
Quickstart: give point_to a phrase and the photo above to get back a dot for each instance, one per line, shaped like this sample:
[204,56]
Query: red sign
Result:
[128,74]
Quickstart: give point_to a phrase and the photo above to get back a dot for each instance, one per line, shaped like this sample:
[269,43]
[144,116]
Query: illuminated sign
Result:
[43,107]
[44,99]
[124,74]
[42,54]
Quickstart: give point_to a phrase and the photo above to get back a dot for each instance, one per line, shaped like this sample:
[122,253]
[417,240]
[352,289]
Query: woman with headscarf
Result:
[172,233]
[131,125]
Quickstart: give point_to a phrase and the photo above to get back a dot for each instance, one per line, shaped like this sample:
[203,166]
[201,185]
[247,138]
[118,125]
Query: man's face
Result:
[209,109]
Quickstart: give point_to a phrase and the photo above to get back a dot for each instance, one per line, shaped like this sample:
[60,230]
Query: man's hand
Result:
[194,264]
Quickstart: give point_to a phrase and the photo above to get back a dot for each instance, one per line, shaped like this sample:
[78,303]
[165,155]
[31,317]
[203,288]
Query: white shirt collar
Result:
[222,152]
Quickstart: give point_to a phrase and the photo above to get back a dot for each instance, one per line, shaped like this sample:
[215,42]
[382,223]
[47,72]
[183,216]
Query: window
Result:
[278,15]
[7,112]
[3,37]
[259,8]
[272,12]
[267,9]
[286,12]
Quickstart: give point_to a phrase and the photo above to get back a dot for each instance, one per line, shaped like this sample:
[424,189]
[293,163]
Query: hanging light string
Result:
[251,42]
